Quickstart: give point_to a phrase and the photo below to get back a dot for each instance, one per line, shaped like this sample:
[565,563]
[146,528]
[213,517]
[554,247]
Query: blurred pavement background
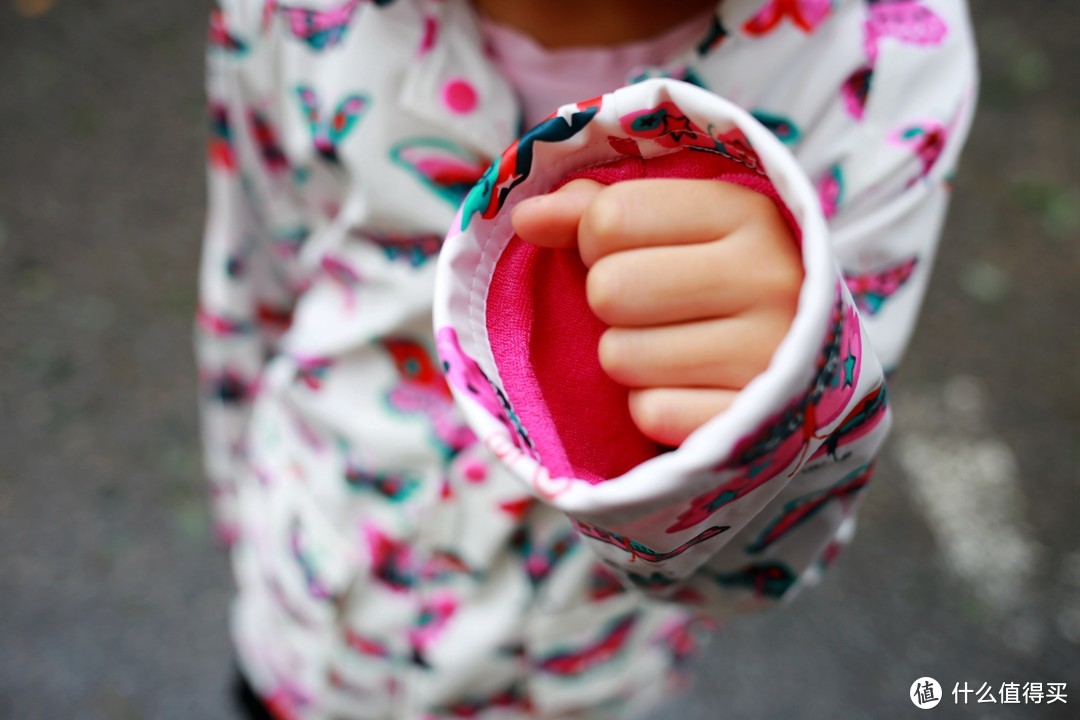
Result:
[113,599]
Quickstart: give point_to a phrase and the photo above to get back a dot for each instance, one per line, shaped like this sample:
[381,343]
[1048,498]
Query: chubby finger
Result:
[648,213]
[551,220]
[724,353]
[680,283]
[669,415]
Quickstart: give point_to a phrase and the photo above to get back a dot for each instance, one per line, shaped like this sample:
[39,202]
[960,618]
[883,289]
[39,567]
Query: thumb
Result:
[551,220]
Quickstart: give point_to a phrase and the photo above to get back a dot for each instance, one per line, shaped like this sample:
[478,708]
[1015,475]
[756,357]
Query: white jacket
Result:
[387,565]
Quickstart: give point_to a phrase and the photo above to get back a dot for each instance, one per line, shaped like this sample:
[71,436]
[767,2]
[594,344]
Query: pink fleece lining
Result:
[544,336]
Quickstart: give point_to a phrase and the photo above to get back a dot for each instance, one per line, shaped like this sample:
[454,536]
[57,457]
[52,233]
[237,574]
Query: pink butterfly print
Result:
[345,277]
[766,579]
[304,429]
[784,438]
[413,249]
[517,509]
[713,38]
[392,561]
[856,90]
[219,325]
[287,700]
[366,645]
[830,553]
[840,379]
[320,29]
[220,152]
[540,559]
[435,614]
[872,290]
[831,191]
[272,319]
[833,387]
[288,243]
[638,550]
[394,486]
[302,555]
[415,367]
[463,373]
[580,660]
[801,509]
[229,386]
[926,140]
[219,36]
[667,125]
[657,582]
[906,21]
[283,602]
[513,697]
[423,390]
[328,133]
[338,681]
[678,638]
[733,144]
[446,169]
[603,583]
[312,371]
[444,564]
[267,141]
[448,428]
[805,14]
[861,421]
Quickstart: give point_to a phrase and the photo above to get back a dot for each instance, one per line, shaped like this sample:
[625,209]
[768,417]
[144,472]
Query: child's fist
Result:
[698,279]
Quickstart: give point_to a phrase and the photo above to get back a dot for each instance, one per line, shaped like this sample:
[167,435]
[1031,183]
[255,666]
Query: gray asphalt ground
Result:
[113,596]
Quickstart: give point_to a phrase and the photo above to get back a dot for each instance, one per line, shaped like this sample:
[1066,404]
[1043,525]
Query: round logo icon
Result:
[925,693]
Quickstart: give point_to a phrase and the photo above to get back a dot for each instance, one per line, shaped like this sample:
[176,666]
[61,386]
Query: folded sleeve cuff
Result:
[690,523]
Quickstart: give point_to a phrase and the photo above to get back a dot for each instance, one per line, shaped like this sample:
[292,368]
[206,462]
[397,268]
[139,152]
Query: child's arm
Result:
[759,498]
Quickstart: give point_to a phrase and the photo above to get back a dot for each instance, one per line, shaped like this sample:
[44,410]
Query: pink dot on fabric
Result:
[475,471]
[459,95]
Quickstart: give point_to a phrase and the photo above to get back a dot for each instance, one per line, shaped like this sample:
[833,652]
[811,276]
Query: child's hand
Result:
[698,280]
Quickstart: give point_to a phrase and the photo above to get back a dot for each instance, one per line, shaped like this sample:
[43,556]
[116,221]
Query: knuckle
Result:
[601,223]
[604,290]
[613,353]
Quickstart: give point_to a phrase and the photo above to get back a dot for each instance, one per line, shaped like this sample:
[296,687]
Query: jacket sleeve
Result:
[885,202]
[756,502]
[886,199]
[247,282]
